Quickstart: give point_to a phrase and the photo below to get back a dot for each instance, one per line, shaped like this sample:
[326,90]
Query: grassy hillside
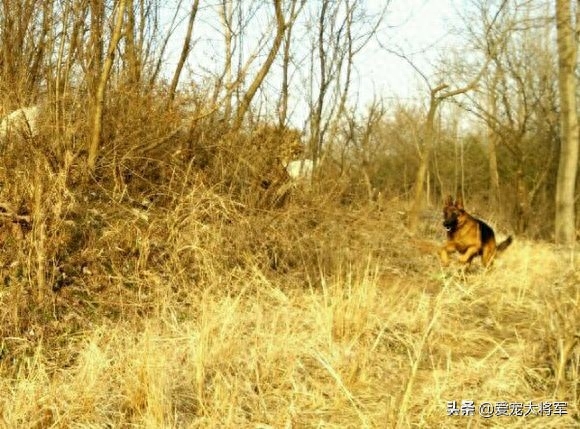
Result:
[189,283]
[313,315]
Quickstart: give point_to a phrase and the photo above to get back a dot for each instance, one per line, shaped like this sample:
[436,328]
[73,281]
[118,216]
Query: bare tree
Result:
[516,102]
[165,41]
[24,30]
[99,99]
[226,12]
[94,55]
[69,43]
[367,145]
[185,49]
[437,95]
[343,29]
[295,9]
[568,166]
[230,81]
[492,140]
[248,96]
[132,52]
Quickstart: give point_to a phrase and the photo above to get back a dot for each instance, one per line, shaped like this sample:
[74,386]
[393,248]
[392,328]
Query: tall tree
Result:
[516,101]
[185,49]
[340,30]
[281,26]
[284,94]
[437,96]
[24,30]
[97,119]
[568,166]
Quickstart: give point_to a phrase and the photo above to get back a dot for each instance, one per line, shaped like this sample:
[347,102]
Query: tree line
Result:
[498,121]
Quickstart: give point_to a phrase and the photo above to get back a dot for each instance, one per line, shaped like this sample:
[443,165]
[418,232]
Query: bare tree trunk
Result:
[39,232]
[283,105]
[262,73]
[163,48]
[462,167]
[132,55]
[97,119]
[184,51]
[455,168]
[436,97]
[316,132]
[428,135]
[343,83]
[34,69]
[493,171]
[522,200]
[225,79]
[95,64]
[23,43]
[565,226]
[492,149]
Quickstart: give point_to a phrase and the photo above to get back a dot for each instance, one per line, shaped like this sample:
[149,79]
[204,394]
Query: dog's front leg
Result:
[444,253]
[466,257]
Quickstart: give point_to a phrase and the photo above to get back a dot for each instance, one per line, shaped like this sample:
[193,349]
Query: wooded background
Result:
[128,94]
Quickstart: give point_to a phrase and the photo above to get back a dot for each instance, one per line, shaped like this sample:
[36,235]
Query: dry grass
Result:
[371,341]
[182,299]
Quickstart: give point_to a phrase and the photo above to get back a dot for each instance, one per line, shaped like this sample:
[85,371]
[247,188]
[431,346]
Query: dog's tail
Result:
[504,244]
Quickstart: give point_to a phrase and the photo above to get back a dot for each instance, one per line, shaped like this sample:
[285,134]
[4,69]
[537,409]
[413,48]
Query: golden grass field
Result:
[163,265]
[309,316]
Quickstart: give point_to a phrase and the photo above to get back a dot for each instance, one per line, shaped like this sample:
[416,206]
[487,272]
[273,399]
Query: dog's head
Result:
[452,213]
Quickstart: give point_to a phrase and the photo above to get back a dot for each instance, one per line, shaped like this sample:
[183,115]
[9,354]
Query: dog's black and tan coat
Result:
[468,235]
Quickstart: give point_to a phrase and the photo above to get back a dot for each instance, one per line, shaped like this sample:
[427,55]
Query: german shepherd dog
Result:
[468,235]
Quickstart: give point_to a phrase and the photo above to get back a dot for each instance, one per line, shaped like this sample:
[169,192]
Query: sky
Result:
[418,29]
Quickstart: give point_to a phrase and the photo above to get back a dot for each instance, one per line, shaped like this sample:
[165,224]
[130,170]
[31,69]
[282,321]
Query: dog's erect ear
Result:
[459,202]
[448,201]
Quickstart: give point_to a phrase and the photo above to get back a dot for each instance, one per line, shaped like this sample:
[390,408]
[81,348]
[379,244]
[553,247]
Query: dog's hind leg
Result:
[488,255]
